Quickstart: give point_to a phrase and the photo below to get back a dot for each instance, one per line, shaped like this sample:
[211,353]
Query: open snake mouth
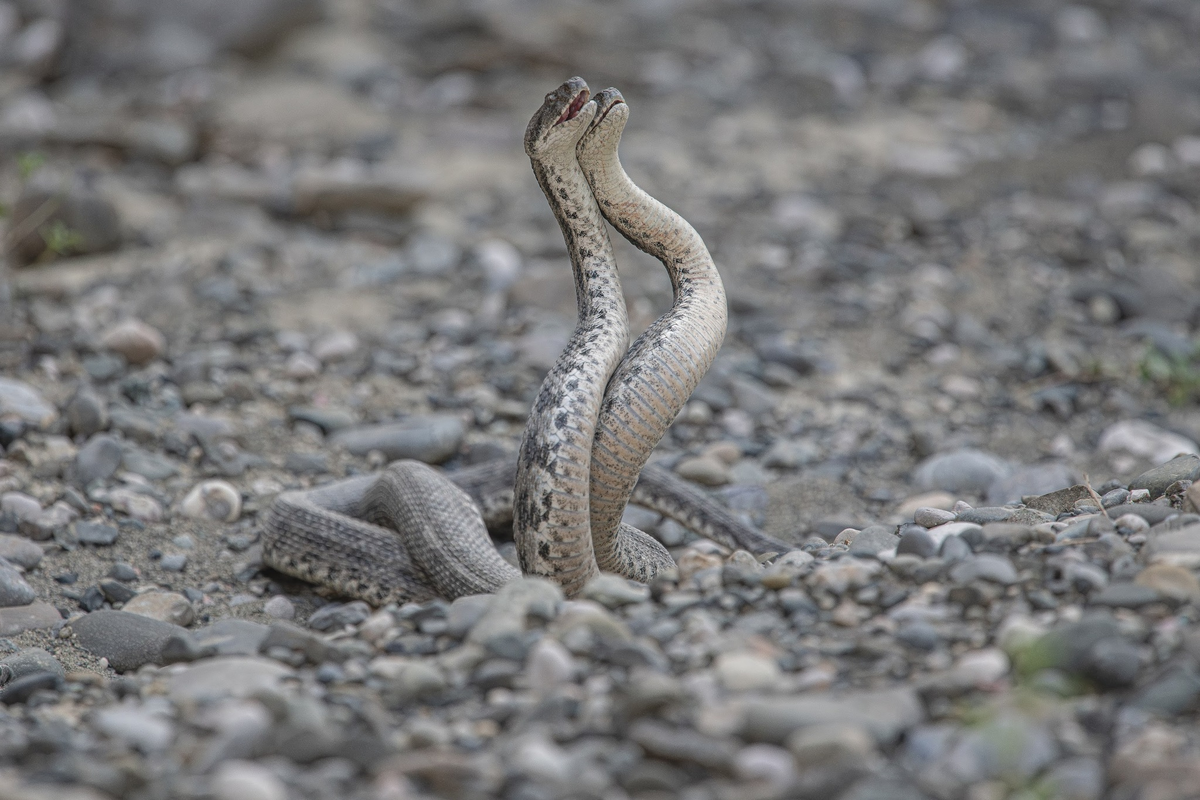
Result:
[572,110]
[609,107]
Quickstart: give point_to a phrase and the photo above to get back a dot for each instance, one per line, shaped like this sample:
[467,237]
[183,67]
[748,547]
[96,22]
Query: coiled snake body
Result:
[411,533]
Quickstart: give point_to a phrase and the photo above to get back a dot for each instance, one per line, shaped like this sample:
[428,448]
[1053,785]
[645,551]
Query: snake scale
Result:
[413,533]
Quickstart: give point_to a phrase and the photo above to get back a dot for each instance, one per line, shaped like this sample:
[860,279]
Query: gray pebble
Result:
[97,460]
[173,562]
[1156,480]
[964,470]
[95,533]
[126,640]
[431,439]
[279,607]
[874,539]
[27,662]
[20,551]
[987,567]
[919,635]
[985,514]
[1029,479]
[932,517]
[885,714]
[1177,692]
[915,540]
[338,615]
[14,591]
[86,412]
[22,400]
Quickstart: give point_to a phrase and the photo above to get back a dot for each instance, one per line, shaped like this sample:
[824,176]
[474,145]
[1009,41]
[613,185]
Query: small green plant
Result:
[60,239]
[1176,374]
[29,163]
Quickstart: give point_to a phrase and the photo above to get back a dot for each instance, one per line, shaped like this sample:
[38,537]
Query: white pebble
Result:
[765,762]
[302,365]
[246,780]
[549,664]
[279,607]
[216,500]
[742,672]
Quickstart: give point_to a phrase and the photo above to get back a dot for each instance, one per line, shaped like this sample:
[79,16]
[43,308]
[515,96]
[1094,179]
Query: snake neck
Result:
[664,365]
[551,508]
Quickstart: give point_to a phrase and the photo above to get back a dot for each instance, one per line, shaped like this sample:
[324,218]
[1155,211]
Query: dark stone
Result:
[915,540]
[127,640]
[21,689]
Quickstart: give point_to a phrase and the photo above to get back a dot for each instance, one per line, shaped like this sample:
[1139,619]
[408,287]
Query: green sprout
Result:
[59,238]
[1176,374]
[29,163]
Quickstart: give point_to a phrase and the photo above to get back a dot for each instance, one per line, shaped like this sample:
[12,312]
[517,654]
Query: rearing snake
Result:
[412,533]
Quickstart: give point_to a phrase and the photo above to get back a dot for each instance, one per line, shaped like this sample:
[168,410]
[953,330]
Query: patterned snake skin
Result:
[411,533]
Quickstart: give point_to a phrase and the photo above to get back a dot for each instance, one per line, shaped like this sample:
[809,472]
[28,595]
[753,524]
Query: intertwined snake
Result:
[412,533]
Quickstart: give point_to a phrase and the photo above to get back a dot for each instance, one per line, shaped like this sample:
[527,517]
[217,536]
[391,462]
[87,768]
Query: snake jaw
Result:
[571,111]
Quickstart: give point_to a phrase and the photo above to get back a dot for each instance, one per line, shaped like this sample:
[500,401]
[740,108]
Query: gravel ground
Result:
[256,245]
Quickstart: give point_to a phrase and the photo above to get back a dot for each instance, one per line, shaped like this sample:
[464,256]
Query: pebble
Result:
[746,672]
[97,460]
[165,606]
[23,401]
[960,471]
[246,780]
[704,470]
[139,506]
[613,591]
[335,346]
[215,500]
[431,439]
[548,664]
[14,590]
[301,366]
[95,533]
[767,763]
[173,562]
[338,615]
[136,341]
[279,607]
[19,551]
[1145,440]
[884,713]
[985,566]
[932,517]
[1156,480]
[222,677]
[86,412]
[873,540]
[127,640]
[1170,581]
[136,726]
[35,616]
[29,661]
[831,744]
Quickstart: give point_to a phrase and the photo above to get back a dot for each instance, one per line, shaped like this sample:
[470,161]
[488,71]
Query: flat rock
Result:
[1156,480]
[20,551]
[22,400]
[1060,501]
[965,470]
[30,661]
[166,606]
[127,640]
[14,590]
[431,439]
[15,619]
[225,676]
[885,714]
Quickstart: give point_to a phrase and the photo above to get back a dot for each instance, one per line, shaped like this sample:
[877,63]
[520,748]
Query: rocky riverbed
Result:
[257,245]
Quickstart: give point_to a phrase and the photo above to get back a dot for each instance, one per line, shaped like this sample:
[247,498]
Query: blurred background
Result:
[943,225]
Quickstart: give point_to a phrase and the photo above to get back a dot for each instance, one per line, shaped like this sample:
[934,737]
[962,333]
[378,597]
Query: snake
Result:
[664,365]
[412,533]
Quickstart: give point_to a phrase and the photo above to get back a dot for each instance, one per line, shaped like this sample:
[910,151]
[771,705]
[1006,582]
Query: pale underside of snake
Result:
[410,533]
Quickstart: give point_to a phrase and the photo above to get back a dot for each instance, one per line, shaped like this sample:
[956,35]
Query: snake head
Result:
[562,119]
[611,115]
